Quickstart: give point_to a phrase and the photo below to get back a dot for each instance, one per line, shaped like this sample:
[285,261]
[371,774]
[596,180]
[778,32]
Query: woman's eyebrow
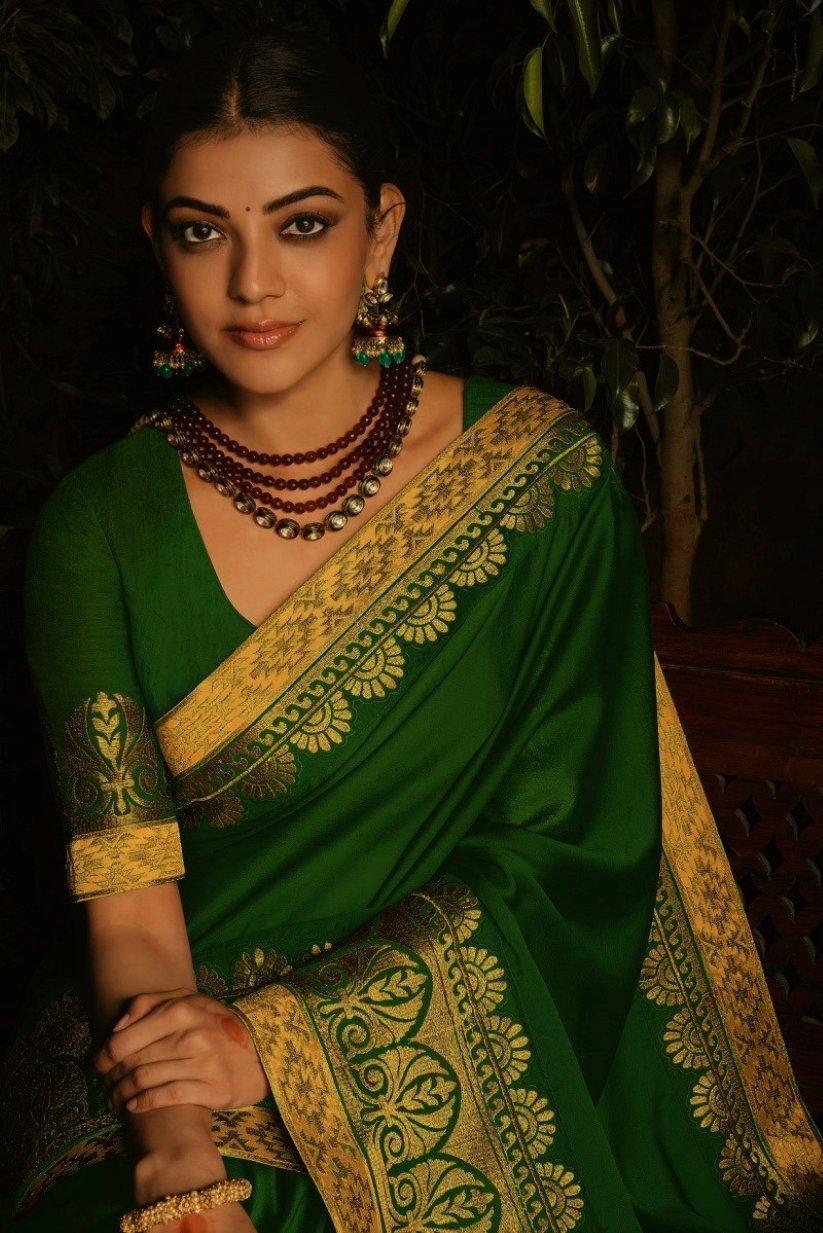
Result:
[314,190]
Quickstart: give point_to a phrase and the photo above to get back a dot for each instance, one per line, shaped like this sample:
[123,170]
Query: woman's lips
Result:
[263,340]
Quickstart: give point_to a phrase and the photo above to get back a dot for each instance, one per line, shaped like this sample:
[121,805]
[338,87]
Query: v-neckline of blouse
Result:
[195,534]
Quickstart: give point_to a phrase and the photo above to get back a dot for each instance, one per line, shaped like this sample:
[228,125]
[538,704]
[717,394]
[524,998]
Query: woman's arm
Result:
[122,842]
[137,940]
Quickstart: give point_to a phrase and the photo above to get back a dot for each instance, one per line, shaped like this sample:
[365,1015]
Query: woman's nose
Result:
[255,273]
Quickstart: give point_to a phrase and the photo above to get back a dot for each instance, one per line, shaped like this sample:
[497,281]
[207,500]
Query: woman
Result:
[403,902]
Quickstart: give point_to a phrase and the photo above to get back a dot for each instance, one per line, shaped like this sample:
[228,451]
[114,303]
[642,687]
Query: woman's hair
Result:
[231,82]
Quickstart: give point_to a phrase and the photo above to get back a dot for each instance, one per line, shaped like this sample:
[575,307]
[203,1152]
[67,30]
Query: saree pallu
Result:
[447,854]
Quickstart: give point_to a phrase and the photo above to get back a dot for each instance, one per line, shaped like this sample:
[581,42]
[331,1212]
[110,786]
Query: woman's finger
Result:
[169,1016]
[142,1003]
[167,1048]
[176,1092]
[150,1075]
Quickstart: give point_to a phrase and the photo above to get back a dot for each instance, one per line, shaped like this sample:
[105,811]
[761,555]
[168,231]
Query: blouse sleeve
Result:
[117,809]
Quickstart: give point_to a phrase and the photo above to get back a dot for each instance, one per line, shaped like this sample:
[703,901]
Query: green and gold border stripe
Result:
[748,1088]
[123,858]
[474,479]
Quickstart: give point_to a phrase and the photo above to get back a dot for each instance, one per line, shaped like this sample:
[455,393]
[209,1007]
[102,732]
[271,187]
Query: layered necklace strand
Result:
[391,411]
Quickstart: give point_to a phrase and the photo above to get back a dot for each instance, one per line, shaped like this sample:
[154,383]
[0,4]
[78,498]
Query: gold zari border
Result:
[124,858]
[702,961]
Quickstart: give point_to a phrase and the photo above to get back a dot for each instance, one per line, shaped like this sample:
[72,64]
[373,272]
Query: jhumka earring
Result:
[177,358]
[375,322]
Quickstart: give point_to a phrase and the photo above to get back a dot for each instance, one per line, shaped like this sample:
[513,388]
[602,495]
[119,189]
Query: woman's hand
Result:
[180,1048]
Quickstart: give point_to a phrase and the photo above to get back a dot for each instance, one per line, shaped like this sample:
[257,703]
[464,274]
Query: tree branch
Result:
[609,294]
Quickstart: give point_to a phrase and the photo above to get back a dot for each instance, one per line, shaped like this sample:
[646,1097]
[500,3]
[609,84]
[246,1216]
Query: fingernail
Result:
[132,1104]
[121,1022]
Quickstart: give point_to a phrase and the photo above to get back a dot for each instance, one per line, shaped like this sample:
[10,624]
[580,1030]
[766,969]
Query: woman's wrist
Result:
[173,1169]
[174,1151]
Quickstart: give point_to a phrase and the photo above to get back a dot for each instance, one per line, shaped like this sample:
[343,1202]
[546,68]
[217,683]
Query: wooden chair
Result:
[750,699]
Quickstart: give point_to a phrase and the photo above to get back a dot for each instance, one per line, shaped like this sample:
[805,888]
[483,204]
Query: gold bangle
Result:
[227,1190]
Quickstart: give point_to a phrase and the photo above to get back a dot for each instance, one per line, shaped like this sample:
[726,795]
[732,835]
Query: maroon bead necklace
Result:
[376,438]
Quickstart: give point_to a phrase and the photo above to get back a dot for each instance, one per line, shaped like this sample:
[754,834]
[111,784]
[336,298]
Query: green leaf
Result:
[9,128]
[628,405]
[689,119]
[641,173]
[668,118]
[560,63]
[653,68]
[668,379]
[608,47]
[390,23]
[586,39]
[807,158]
[642,105]
[546,10]
[814,56]
[106,97]
[17,62]
[597,161]
[589,386]
[533,87]
[619,365]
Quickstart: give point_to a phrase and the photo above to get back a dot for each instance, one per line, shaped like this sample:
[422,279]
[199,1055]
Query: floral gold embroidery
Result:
[578,466]
[265,781]
[119,814]
[110,773]
[535,1119]
[378,672]
[326,726]
[397,1043]
[485,561]
[431,617]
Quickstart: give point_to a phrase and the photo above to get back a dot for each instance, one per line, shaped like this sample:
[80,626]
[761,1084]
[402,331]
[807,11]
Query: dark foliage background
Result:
[489,273]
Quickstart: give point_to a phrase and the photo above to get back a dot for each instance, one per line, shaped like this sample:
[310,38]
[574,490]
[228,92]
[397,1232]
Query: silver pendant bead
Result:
[264,517]
[287,528]
[336,520]
[353,504]
[370,485]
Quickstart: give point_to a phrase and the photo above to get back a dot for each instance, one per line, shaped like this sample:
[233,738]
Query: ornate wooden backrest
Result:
[750,699]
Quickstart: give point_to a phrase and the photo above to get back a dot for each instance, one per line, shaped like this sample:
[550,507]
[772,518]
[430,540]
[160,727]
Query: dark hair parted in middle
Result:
[268,75]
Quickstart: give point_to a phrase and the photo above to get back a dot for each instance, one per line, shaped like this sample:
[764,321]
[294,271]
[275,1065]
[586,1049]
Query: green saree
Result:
[439,840]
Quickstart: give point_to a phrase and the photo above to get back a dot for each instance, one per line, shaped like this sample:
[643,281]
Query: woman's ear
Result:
[390,214]
[147,223]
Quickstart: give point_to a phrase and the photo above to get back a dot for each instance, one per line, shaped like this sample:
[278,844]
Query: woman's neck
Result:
[326,403]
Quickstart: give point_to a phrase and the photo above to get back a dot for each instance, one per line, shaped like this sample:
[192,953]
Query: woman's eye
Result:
[182,232]
[310,219]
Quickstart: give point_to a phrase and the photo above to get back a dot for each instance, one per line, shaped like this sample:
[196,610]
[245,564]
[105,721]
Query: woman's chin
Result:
[265,372]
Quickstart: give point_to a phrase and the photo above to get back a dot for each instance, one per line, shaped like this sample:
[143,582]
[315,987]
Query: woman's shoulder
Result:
[112,481]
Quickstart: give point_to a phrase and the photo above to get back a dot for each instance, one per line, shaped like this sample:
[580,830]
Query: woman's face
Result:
[236,254]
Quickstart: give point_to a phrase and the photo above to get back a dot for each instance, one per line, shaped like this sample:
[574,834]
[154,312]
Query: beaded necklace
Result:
[198,441]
